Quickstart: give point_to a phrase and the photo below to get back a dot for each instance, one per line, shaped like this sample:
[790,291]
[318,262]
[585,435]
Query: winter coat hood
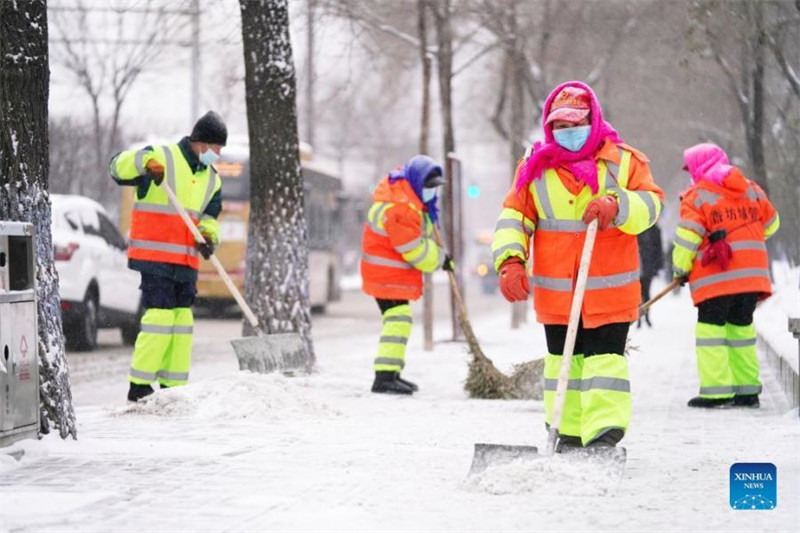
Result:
[414,172]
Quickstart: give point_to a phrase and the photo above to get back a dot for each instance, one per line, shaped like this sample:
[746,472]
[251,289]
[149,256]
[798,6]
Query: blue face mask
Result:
[429,194]
[572,139]
[208,158]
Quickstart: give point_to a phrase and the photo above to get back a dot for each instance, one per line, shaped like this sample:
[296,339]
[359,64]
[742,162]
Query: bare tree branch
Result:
[466,64]
[790,74]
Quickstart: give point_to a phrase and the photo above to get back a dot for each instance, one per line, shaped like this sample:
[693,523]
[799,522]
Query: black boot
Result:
[567,443]
[609,439]
[710,403]
[137,392]
[746,400]
[647,319]
[409,384]
[386,383]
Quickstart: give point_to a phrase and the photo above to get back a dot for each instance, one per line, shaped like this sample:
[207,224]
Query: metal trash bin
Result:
[19,361]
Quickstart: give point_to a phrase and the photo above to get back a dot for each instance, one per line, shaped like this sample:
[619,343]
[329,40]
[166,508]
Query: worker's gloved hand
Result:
[155,170]
[604,209]
[514,281]
[719,250]
[205,248]
[681,278]
[448,265]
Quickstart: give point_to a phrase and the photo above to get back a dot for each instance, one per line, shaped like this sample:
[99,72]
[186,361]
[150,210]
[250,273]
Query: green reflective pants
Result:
[394,337]
[571,416]
[727,363]
[598,395]
[713,361]
[605,396]
[163,348]
[743,358]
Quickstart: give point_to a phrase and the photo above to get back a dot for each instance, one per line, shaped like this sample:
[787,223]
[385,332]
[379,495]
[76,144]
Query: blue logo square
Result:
[754,486]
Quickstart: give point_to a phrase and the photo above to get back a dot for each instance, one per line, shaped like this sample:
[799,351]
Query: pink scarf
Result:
[707,161]
[550,155]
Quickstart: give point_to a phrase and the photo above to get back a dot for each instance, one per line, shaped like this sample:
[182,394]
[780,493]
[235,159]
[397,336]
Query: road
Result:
[99,377]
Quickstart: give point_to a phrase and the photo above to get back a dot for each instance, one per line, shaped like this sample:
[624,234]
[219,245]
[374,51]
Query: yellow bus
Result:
[323,194]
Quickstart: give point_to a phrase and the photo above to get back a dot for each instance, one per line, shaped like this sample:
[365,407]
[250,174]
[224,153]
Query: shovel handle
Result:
[572,333]
[214,261]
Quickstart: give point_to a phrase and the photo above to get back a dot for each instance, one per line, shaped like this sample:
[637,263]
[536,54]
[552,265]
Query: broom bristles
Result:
[484,381]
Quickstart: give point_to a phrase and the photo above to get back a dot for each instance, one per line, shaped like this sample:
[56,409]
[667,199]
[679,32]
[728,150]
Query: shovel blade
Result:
[487,455]
[279,352]
[609,457]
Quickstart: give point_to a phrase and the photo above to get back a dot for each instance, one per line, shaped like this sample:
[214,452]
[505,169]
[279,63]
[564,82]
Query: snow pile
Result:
[547,476]
[772,316]
[235,396]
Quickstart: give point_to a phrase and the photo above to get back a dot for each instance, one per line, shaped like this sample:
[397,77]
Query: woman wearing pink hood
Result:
[581,172]
[719,247]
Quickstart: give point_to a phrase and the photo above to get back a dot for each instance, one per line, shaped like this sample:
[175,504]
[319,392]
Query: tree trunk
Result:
[24,167]
[276,284]
[445,63]
[519,310]
[444,37]
[755,142]
[310,14]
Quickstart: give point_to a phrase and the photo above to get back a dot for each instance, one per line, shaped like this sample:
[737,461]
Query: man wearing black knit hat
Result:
[163,249]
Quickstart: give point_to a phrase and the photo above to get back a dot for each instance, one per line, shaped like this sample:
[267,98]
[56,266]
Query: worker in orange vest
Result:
[719,247]
[397,248]
[163,249]
[580,173]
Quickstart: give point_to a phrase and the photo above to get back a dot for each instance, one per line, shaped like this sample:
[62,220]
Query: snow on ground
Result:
[245,452]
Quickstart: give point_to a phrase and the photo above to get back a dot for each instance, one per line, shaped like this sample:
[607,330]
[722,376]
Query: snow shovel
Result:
[491,454]
[263,353]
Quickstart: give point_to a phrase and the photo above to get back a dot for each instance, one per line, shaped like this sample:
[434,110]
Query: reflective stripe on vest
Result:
[592,282]
[157,246]
[692,226]
[138,161]
[729,276]
[375,219]
[382,261]
[742,245]
[212,181]
[509,223]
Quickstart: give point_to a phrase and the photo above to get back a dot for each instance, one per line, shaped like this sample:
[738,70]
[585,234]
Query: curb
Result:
[787,376]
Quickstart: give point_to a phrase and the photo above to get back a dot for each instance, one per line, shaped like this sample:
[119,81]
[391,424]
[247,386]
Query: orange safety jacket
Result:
[550,211]
[157,232]
[396,244]
[740,207]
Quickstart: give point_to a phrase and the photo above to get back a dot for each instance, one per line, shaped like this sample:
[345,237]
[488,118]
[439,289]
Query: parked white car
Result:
[97,288]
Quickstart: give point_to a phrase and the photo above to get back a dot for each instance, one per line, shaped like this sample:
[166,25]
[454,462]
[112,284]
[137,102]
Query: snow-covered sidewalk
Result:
[242,452]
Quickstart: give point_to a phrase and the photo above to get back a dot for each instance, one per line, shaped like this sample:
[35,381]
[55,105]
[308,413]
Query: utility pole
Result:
[424,134]
[196,65]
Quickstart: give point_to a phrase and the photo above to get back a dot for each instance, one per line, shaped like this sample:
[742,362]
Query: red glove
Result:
[604,209]
[514,281]
[719,250]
